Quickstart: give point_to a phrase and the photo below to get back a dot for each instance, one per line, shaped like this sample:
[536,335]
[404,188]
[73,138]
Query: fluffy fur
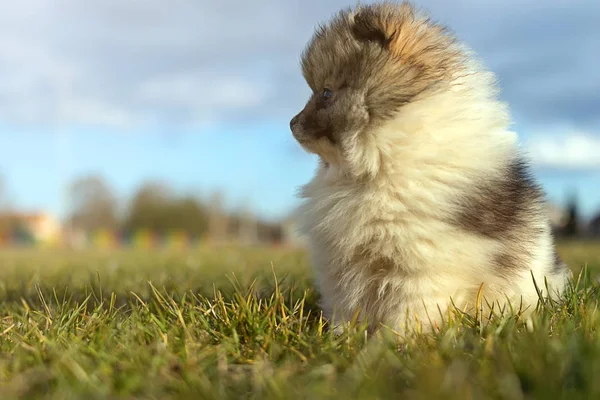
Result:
[422,196]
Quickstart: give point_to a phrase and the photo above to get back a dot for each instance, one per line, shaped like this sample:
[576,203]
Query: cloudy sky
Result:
[200,92]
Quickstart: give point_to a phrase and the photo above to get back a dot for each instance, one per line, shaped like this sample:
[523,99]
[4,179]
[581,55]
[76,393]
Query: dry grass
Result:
[235,323]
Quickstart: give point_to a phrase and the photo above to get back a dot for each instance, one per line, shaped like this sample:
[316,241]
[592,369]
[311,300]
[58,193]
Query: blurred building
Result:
[594,226]
[558,217]
[290,232]
[39,227]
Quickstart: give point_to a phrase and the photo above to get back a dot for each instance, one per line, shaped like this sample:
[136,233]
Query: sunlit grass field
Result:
[244,323]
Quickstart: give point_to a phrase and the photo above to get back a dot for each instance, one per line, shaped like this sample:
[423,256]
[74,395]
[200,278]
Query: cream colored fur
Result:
[388,193]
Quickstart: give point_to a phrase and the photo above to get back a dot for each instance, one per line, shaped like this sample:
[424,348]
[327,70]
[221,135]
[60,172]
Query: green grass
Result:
[233,323]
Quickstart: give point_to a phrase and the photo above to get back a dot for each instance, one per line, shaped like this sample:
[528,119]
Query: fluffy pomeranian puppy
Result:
[422,198]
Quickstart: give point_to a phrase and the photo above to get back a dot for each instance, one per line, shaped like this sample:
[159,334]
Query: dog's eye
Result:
[327,93]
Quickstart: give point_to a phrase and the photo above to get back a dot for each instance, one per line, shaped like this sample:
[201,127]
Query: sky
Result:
[199,93]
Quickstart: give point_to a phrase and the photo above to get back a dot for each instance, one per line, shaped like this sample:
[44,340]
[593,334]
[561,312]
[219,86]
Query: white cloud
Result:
[572,151]
[126,63]
[201,92]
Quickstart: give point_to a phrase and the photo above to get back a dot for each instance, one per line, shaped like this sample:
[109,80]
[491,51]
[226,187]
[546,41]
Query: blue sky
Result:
[199,94]
[259,166]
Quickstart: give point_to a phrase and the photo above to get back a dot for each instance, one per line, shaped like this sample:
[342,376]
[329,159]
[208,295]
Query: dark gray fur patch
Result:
[498,207]
[504,209]
[508,262]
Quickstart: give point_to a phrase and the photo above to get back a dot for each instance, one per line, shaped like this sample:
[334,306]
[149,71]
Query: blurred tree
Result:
[5,219]
[572,225]
[147,207]
[218,220]
[188,214]
[9,222]
[93,205]
[155,207]
[4,203]
[248,225]
[270,232]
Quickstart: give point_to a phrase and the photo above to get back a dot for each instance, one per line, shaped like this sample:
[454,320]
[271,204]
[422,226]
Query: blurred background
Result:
[147,123]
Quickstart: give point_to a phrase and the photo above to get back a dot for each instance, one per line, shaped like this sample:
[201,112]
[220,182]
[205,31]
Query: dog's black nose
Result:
[293,122]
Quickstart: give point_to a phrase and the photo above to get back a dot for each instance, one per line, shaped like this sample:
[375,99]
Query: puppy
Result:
[422,197]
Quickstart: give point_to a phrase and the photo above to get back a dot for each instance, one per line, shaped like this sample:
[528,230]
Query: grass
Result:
[234,323]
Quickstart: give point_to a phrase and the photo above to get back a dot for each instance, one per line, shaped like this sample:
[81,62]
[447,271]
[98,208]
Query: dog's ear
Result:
[370,26]
[389,25]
